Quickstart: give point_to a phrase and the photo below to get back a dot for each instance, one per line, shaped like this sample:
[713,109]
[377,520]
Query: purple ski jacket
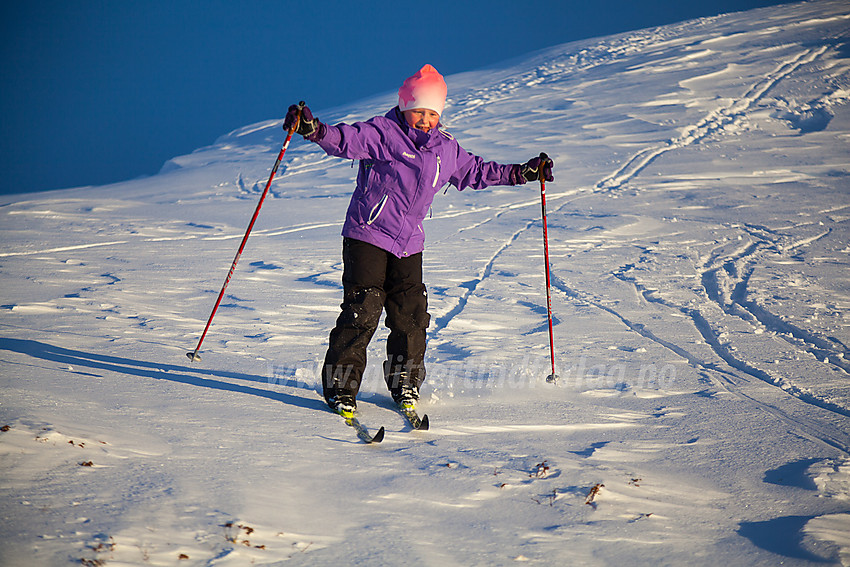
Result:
[401,170]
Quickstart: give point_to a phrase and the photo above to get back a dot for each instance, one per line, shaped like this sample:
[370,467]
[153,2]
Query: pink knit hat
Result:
[425,89]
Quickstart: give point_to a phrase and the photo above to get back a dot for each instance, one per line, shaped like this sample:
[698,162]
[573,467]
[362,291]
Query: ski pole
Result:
[194,356]
[552,378]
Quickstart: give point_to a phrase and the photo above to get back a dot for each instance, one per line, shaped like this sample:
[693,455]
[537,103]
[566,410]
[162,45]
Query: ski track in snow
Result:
[714,124]
[280,231]
[443,321]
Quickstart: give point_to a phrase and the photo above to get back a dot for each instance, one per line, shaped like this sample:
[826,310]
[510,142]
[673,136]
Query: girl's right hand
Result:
[307,126]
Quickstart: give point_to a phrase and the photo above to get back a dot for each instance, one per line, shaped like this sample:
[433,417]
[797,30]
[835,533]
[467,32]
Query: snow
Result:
[699,242]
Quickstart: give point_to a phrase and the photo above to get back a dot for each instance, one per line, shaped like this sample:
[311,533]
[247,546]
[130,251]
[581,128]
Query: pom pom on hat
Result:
[426,89]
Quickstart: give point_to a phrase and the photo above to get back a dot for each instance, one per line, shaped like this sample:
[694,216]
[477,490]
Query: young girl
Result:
[405,158]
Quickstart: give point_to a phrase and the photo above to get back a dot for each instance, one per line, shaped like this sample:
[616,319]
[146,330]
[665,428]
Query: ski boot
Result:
[343,404]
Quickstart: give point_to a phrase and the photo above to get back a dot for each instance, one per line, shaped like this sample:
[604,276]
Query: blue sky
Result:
[100,91]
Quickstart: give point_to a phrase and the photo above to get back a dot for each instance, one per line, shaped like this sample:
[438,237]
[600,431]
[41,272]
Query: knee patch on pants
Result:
[408,312]
[363,310]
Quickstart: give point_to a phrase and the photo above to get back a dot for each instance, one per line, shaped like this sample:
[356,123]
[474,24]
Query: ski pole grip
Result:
[297,122]
[301,106]
[543,159]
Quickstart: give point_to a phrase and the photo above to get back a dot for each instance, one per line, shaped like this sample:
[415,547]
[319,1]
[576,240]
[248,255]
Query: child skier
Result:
[405,158]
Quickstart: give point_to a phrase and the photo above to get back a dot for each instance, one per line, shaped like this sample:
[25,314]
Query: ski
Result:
[416,422]
[363,433]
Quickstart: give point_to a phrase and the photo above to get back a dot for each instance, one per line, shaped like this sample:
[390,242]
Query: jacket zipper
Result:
[376,210]
[437,176]
[368,167]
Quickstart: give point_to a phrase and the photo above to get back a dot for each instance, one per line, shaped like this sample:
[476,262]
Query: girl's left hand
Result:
[539,167]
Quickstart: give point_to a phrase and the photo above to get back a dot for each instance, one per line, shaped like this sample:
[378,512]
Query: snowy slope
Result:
[699,230]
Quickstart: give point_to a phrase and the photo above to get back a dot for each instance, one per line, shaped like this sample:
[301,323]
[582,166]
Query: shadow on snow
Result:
[155,370]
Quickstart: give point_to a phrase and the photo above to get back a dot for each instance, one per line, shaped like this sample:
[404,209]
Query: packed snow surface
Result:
[699,231]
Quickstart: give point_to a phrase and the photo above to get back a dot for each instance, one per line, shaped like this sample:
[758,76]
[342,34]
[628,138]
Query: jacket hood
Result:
[418,137]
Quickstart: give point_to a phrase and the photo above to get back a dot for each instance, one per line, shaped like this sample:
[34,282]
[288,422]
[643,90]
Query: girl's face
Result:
[422,119]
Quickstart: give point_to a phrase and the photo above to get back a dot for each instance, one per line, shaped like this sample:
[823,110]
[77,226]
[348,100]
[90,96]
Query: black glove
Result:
[308,126]
[539,167]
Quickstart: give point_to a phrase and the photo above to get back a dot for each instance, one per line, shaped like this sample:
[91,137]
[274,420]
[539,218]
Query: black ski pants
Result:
[373,280]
